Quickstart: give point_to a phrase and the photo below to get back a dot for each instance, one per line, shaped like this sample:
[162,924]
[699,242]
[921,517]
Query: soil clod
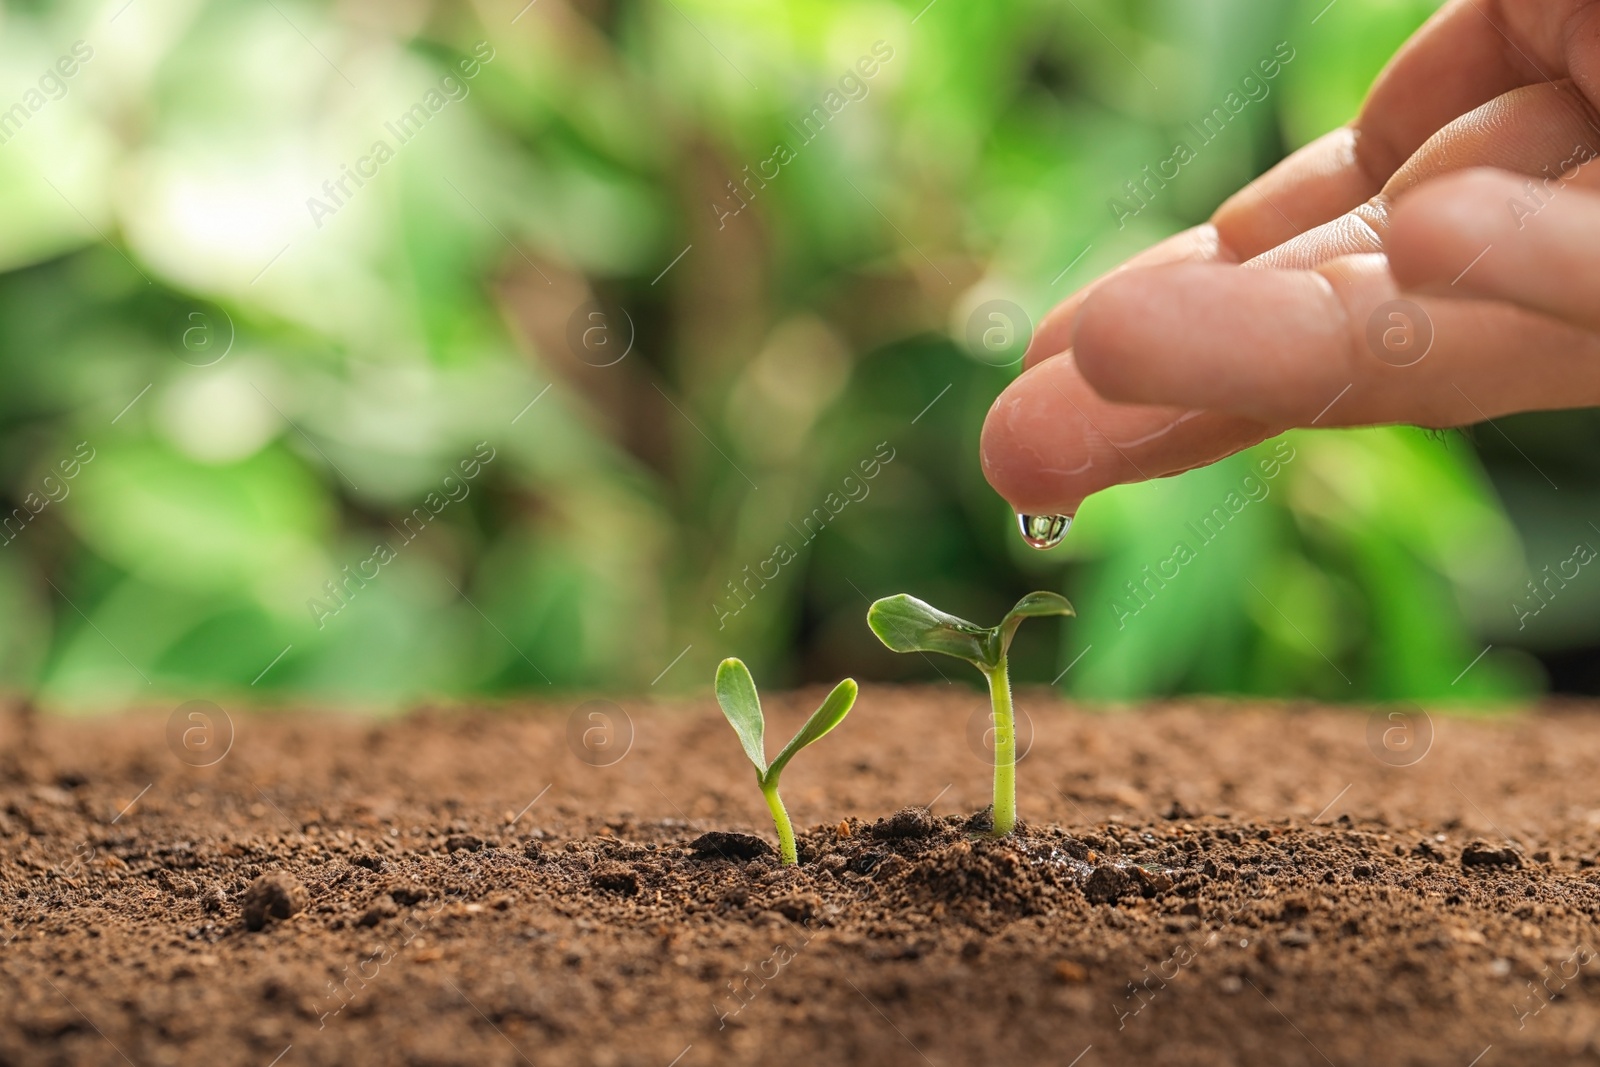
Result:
[800,908]
[719,844]
[1107,885]
[381,909]
[274,895]
[615,878]
[407,893]
[1483,854]
[981,822]
[906,823]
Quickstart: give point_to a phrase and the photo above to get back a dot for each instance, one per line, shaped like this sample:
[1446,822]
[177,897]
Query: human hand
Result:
[1183,356]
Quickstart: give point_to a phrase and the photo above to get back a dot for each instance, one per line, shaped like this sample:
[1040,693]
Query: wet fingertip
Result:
[1015,441]
[997,442]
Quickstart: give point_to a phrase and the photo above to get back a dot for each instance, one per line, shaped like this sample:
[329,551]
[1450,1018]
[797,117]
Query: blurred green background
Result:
[542,394]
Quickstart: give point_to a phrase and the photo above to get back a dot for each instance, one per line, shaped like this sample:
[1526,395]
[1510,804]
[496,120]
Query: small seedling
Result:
[906,624]
[736,692]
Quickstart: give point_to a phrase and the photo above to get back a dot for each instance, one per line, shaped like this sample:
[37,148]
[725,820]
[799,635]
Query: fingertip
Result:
[1014,447]
[1050,441]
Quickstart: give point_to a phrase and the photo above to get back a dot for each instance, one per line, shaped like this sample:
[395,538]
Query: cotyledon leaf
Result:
[906,624]
[1033,606]
[736,692]
[825,718]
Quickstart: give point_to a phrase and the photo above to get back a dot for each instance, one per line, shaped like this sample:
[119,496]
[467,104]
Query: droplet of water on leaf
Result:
[1044,531]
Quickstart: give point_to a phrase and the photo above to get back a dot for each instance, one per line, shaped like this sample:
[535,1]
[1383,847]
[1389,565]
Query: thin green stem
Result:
[1005,750]
[780,819]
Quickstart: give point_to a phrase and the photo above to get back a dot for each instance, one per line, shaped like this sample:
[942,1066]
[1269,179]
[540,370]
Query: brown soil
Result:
[1193,885]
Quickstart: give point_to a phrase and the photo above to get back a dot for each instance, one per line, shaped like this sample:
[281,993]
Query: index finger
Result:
[1468,53]
[1311,187]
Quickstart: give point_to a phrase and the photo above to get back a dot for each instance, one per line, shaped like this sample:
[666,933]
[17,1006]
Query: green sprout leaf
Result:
[906,624]
[736,692]
[1033,606]
[825,718]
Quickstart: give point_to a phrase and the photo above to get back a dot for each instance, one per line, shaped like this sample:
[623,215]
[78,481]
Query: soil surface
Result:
[1193,884]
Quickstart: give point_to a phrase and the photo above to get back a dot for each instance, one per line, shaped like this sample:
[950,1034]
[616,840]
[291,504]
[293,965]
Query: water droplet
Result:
[1044,531]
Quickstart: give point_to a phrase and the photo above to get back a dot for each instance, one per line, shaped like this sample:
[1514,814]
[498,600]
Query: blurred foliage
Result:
[671,362]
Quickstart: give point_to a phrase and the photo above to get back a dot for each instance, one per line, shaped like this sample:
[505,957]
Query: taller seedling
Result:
[736,692]
[906,624]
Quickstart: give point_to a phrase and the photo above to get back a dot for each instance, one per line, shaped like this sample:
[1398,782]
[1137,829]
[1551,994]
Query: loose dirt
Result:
[1200,885]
